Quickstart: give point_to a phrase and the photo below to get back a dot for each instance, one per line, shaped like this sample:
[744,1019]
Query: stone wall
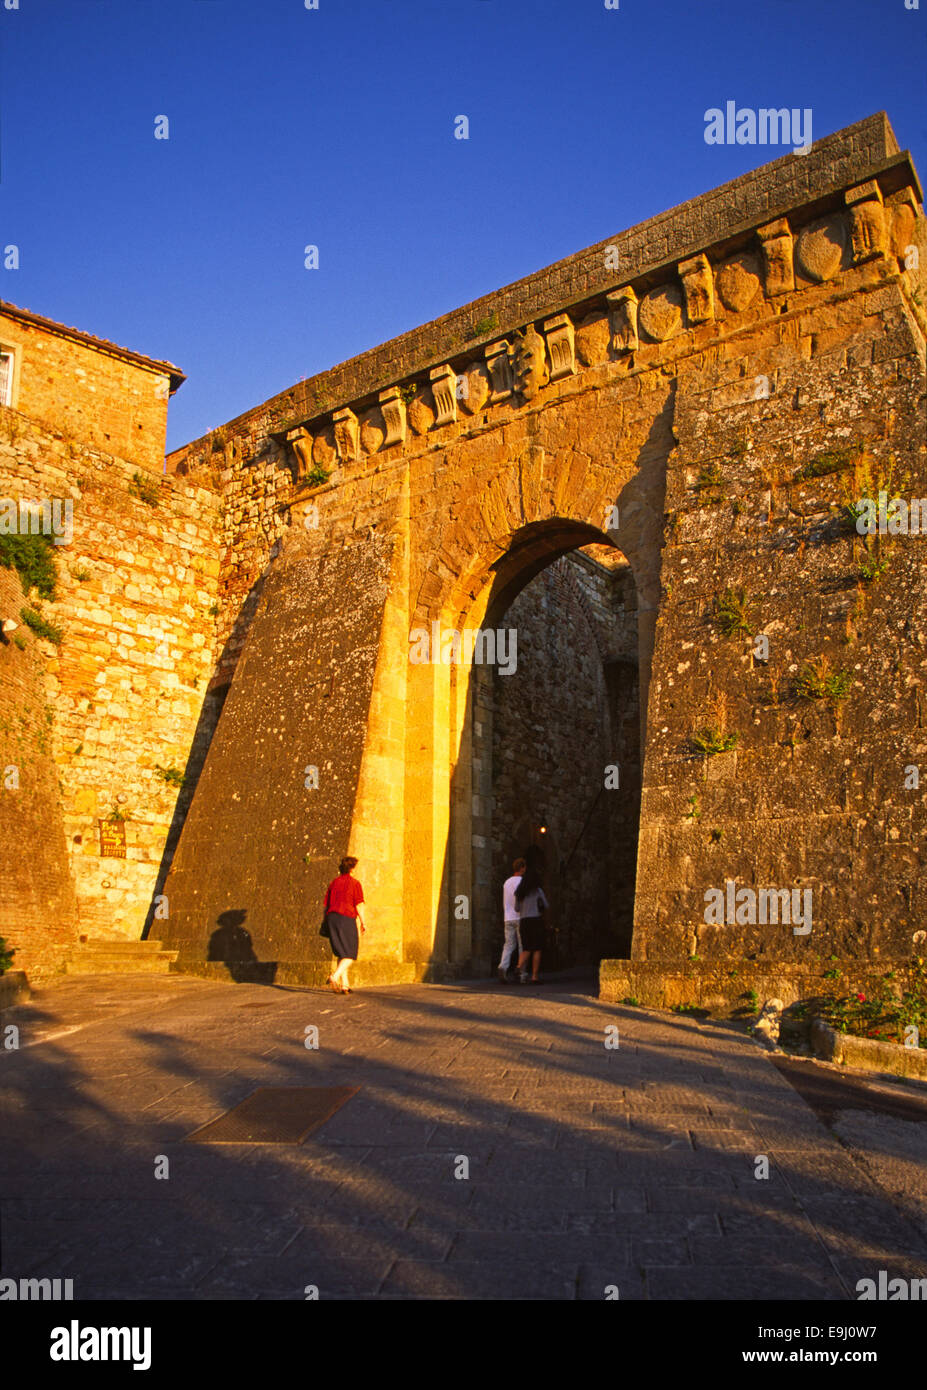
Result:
[137,589]
[274,807]
[812,793]
[114,401]
[38,907]
[257,487]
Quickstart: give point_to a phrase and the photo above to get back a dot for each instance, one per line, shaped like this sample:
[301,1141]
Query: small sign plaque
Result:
[112,839]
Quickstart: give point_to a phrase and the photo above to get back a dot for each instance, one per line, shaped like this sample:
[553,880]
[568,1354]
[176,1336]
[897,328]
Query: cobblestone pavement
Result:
[631,1167]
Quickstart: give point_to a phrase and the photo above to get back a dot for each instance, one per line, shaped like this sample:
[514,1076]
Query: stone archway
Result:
[676,411]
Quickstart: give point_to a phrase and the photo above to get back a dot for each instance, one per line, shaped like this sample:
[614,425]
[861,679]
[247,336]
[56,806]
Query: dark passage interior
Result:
[557,755]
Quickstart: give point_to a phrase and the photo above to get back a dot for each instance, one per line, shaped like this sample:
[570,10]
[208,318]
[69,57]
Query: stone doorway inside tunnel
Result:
[556,758]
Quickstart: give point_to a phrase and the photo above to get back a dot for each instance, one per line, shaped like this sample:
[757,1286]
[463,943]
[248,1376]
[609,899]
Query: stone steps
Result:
[120,958]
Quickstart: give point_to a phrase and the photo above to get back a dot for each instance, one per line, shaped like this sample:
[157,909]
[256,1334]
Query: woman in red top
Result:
[343,916]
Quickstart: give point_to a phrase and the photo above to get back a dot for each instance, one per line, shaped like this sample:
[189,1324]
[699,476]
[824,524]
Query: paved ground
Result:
[588,1167]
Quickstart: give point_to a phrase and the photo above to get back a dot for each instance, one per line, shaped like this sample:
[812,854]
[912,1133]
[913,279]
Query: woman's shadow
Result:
[231,944]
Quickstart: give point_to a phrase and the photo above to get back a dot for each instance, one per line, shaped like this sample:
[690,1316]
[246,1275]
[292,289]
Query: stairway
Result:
[120,958]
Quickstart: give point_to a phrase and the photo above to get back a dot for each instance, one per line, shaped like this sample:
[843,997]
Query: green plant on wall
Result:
[709,486]
[118,814]
[709,477]
[818,681]
[6,956]
[733,612]
[710,741]
[830,461]
[317,475]
[145,489]
[41,627]
[171,775]
[872,567]
[870,480]
[33,558]
[482,326]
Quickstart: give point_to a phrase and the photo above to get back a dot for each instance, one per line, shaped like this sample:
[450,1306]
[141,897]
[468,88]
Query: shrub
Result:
[33,558]
[879,1012]
[171,775]
[317,475]
[6,956]
[147,490]
[40,626]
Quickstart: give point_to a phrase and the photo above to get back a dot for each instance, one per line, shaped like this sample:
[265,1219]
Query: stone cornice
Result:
[714,224]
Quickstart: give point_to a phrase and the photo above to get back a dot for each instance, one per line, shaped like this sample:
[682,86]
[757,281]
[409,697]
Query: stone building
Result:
[89,713]
[647,475]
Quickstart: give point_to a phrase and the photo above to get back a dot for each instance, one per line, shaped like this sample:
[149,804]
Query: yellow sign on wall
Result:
[112,839]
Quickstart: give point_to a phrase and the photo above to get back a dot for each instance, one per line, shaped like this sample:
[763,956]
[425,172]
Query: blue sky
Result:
[335,127]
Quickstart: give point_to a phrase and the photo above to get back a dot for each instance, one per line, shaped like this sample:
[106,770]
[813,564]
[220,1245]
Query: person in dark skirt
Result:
[531,903]
[343,916]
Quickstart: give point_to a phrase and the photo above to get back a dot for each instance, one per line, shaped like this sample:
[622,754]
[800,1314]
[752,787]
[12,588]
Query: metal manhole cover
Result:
[275,1115]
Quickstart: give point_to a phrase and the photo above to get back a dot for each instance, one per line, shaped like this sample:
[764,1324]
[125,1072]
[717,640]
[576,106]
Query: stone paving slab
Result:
[587,1168]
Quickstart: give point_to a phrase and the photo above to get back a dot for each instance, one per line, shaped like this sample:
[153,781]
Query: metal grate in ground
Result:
[275,1115]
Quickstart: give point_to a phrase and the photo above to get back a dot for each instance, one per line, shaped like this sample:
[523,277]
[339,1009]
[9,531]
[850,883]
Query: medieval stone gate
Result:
[706,394]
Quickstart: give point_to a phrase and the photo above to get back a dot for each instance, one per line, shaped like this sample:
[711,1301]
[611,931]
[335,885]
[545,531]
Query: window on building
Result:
[6,378]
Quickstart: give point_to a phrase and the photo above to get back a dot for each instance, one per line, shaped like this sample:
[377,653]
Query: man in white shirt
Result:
[510,917]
